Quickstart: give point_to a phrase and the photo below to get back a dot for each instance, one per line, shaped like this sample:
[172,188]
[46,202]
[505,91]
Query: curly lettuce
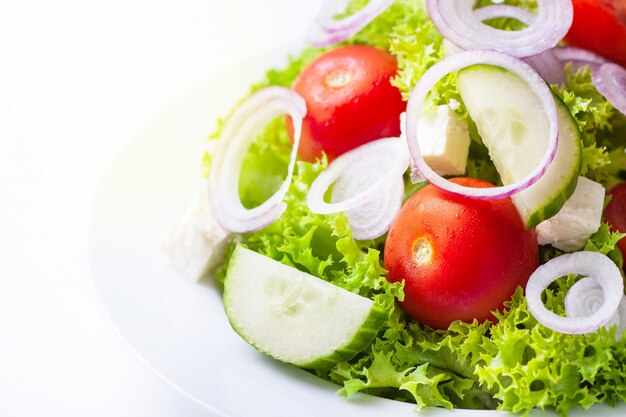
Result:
[515,364]
[603,129]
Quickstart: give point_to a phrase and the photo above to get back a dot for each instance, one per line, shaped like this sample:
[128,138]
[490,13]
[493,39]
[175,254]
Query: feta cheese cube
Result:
[579,218]
[195,242]
[444,140]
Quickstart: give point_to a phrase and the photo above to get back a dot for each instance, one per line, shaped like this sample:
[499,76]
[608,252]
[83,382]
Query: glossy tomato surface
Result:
[460,258]
[615,213]
[350,101]
[600,26]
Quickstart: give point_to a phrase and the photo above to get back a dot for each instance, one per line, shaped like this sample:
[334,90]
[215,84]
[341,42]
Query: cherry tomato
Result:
[350,101]
[615,214]
[600,26]
[460,258]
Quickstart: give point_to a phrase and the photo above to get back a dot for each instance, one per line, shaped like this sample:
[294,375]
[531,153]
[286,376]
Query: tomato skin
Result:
[350,101]
[600,26]
[615,214]
[481,252]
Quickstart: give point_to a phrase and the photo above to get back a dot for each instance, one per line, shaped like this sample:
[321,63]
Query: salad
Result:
[426,204]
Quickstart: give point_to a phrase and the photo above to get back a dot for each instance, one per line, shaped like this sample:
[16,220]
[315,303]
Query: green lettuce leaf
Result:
[320,245]
[515,364]
[526,365]
[529,366]
[603,129]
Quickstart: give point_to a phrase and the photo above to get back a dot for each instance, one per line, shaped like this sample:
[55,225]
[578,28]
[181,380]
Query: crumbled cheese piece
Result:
[578,219]
[444,140]
[195,242]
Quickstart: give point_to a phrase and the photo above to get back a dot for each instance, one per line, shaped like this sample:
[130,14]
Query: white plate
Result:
[177,327]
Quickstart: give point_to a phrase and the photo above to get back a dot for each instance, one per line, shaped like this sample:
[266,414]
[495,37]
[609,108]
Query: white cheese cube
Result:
[195,242]
[579,218]
[444,140]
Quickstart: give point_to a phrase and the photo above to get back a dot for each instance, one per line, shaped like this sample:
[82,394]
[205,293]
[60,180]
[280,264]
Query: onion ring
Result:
[585,298]
[373,218]
[610,80]
[385,160]
[549,66]
[328,31]
[578,57]
[502,10]
[457,22]
[591,264]
[455,63]
[237,136]
[546,63]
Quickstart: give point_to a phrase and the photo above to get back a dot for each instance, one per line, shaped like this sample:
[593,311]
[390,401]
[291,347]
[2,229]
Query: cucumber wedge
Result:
[296,317]
[512,126]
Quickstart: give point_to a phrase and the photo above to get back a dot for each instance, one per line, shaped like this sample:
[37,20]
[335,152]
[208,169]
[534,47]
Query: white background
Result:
[77,79]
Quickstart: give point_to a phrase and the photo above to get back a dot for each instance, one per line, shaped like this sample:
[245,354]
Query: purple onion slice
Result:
[367,186]
[455,63]
[610,80]
[546,63]
[578,57]
[238,134]
[379,162]
[328,31]
[549,66]
[458,22]
[502,10]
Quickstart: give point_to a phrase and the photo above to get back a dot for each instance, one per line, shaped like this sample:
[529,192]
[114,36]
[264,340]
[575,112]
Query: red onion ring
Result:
[578,57]
[594,265]
[455,63]
[502,10]
[545,63]
[381,161]
[457,22]
[237,136]
[610,80]
[373,218]
[328,31]
[549,66]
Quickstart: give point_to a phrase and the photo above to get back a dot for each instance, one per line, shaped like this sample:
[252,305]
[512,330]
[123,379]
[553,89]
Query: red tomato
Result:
[615,214]
[350,101]
[600,26]
[460,258]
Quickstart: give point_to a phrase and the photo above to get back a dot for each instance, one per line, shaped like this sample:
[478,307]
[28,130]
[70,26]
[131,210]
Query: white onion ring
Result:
[610,80]
[591,264]
[455,63]
[386,160]
[237,136]
[585,298]
[457,22]
[328,31]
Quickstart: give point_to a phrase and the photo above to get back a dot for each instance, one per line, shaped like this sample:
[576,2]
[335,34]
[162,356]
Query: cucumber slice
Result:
[296,317]
[512,126]
[545,198]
